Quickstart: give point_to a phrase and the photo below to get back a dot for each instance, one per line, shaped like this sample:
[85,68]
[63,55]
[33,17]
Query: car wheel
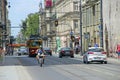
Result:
[50,54]
[72,56]
[60,56]
[105,62]
[30,55]
[87,62]
[83,60]
[19,54]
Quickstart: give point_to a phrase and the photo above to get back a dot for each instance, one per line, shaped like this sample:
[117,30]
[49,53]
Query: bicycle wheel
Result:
[43,60]
[40,62]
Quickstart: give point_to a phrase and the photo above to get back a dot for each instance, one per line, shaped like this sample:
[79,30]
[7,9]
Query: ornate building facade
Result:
[4,23]
[67,12]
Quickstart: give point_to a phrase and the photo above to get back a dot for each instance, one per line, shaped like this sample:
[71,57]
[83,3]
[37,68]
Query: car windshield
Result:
[22,49]
[96,50]
[66,48]
[46,48]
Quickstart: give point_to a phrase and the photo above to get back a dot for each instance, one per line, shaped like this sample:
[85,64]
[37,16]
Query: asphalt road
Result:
[69,69]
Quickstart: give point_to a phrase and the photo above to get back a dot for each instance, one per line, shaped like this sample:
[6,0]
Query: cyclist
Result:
[40,52]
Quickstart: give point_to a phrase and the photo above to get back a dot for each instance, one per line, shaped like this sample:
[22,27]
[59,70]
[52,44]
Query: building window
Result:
[75,22]
[93,10]
[75,6]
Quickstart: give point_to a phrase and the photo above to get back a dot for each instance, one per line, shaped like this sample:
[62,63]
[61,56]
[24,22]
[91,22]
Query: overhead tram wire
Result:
[15,27]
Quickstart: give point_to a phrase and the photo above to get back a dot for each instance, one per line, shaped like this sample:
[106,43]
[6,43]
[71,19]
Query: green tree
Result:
[30,25]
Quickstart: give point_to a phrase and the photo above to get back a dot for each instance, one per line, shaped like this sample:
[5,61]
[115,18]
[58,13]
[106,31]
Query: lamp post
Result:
[40,17]
[101,25]
[81,27]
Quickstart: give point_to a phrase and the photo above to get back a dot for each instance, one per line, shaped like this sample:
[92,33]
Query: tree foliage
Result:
[31,25]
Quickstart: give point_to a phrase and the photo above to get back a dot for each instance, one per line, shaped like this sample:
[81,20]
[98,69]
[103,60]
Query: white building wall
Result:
[111,19]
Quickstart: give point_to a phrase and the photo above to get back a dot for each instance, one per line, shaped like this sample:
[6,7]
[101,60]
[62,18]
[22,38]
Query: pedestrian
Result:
[118,51]
[96,45]
[77,48]
[1,55]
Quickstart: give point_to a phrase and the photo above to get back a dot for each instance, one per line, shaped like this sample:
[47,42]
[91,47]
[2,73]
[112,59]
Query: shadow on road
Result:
[49,61]
[31,61]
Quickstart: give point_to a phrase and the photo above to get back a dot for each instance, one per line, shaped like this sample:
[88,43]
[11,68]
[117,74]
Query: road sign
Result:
[71,33]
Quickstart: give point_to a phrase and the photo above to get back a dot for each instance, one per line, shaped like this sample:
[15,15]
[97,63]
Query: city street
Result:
[80,39]
[26,68]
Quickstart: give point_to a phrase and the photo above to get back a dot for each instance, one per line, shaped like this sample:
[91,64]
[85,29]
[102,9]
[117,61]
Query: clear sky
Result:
[19,10]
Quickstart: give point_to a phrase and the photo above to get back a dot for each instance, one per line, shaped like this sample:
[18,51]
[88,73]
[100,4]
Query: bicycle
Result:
[41,60]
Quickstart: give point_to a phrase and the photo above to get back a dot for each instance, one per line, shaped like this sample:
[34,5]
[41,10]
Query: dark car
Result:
[66,51]
[48,51]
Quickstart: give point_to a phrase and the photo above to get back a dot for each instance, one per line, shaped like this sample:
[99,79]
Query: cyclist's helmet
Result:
[40,46]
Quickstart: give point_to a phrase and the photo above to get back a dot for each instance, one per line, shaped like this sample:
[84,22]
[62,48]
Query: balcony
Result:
[91,2]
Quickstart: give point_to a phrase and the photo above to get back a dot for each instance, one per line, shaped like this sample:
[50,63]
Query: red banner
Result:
[48,3]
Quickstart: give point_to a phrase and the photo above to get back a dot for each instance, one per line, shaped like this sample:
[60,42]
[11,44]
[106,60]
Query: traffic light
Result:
[11,39]
[56,23]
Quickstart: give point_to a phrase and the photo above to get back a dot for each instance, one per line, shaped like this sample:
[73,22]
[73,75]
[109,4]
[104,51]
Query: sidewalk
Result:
[7,69]
[12,70]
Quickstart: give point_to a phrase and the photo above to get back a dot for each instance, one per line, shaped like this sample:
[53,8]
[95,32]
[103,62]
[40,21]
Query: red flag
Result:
[48,3]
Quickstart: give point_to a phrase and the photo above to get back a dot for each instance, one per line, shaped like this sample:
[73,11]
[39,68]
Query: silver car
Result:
[22,51]
[95,54]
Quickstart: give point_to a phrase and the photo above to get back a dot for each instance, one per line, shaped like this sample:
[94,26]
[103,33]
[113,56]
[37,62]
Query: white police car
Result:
[95,54]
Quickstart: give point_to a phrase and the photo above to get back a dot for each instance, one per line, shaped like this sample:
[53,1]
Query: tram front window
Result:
[36,43]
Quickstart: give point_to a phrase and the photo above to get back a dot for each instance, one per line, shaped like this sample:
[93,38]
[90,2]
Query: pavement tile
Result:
[8,69]
[11,69]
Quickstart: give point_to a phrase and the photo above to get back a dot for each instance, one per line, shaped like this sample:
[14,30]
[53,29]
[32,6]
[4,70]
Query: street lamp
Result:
[40,16]
[9,5]
[101,25]
[81,27]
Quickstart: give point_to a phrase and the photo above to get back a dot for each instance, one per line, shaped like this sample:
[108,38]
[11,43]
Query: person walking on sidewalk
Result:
[1,55]
[118,51]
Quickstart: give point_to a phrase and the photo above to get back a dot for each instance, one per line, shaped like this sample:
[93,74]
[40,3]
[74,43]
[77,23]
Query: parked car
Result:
[22,51]
[95,54]
[66,51]
[48,51]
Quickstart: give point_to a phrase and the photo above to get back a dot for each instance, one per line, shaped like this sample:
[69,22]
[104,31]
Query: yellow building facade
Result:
[67,12]
[91,23]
